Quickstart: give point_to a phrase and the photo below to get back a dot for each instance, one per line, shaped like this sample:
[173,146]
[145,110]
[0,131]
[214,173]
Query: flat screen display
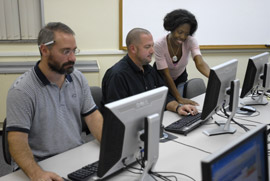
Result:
[244,160]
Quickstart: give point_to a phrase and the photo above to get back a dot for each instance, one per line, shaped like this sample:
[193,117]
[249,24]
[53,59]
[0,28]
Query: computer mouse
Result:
[248,109]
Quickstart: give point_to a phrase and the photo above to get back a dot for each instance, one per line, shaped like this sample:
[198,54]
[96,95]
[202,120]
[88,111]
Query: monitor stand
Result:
[258,100]
[265,85]
[239,111]
[226,128]
[151,146]
[165,136]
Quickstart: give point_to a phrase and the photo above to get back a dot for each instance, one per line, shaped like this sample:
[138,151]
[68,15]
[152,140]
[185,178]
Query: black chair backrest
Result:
[97,96]
[6,153]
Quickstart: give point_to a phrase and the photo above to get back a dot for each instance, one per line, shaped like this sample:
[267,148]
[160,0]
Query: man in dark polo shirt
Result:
[133,74]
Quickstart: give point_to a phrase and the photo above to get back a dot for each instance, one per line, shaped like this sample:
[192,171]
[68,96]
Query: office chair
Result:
[194,87]
[97,96]
[6,153]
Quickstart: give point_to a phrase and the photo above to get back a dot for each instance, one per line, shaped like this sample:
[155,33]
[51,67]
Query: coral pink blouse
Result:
[164,60]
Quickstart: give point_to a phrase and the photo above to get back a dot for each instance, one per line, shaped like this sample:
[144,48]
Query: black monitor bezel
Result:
[249,79]
[255,67]
[219,81]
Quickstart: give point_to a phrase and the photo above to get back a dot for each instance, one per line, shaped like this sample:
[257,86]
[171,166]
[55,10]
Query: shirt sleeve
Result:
[20,109]
[88,103]
[194,47]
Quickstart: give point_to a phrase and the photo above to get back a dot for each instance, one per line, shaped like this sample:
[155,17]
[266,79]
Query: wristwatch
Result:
[179,105]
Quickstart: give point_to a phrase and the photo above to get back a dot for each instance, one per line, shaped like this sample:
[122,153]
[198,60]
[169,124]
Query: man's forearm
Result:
[22,154]
[171,106]
[94,122]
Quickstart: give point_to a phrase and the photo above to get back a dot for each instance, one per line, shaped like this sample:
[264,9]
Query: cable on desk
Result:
[250,121]
[249,125]
[267,96]
[153,177]
[166,178]
[257,92]
[227,115]
[188,145]
[128,167]
[238,118]
[240,125]
[152,174]
[157,174]
[241,119]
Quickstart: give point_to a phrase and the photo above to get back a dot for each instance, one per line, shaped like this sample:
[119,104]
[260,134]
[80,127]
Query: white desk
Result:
[172,156]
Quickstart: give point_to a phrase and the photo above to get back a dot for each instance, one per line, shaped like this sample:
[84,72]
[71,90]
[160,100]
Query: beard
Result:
[144,60]
[54,66]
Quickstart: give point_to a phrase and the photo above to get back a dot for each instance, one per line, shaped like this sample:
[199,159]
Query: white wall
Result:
[227,22]
[96,25]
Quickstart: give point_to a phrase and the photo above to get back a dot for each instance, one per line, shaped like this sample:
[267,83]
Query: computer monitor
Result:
[257,77]
[222,91]
[132,127]
[245,159]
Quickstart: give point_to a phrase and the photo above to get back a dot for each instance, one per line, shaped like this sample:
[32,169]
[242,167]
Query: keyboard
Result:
[185,124]
[84,173]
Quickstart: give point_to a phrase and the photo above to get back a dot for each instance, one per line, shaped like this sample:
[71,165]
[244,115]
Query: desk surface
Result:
[182,155]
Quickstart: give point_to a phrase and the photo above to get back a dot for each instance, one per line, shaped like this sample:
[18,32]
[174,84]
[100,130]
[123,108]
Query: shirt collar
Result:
[136,68]
[44,79]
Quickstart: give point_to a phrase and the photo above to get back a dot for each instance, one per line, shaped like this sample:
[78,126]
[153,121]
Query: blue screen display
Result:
[244,162]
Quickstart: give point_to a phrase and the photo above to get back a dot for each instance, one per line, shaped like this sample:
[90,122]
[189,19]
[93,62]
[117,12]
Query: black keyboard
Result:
[185,124]
[84,173]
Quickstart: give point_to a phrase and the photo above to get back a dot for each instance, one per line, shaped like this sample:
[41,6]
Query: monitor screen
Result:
[255,78]
[131,126]
[245,159]
[218,83]
[220,93]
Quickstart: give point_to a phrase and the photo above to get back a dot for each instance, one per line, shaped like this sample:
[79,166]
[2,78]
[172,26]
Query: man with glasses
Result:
[45,105]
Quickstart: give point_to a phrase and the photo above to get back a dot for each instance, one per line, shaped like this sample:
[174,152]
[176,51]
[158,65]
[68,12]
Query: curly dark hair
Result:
[179,17]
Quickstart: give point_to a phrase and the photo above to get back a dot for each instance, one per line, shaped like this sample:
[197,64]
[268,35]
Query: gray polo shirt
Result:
[51,116]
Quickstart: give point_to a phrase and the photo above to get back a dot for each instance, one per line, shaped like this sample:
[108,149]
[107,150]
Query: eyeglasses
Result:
[48,43]
[67,52]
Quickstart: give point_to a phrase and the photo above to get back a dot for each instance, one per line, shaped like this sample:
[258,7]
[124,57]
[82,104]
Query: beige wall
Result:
[96,25]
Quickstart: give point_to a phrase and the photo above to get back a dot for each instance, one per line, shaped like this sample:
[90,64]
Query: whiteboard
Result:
[221,23]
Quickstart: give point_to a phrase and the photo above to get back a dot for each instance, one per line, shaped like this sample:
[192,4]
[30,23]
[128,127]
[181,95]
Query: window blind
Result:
[20,19]
[3,32]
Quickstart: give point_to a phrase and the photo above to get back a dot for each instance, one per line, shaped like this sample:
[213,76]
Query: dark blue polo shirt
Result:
[126,79]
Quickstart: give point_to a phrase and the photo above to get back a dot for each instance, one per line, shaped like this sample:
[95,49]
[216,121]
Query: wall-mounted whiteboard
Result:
[222,24]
